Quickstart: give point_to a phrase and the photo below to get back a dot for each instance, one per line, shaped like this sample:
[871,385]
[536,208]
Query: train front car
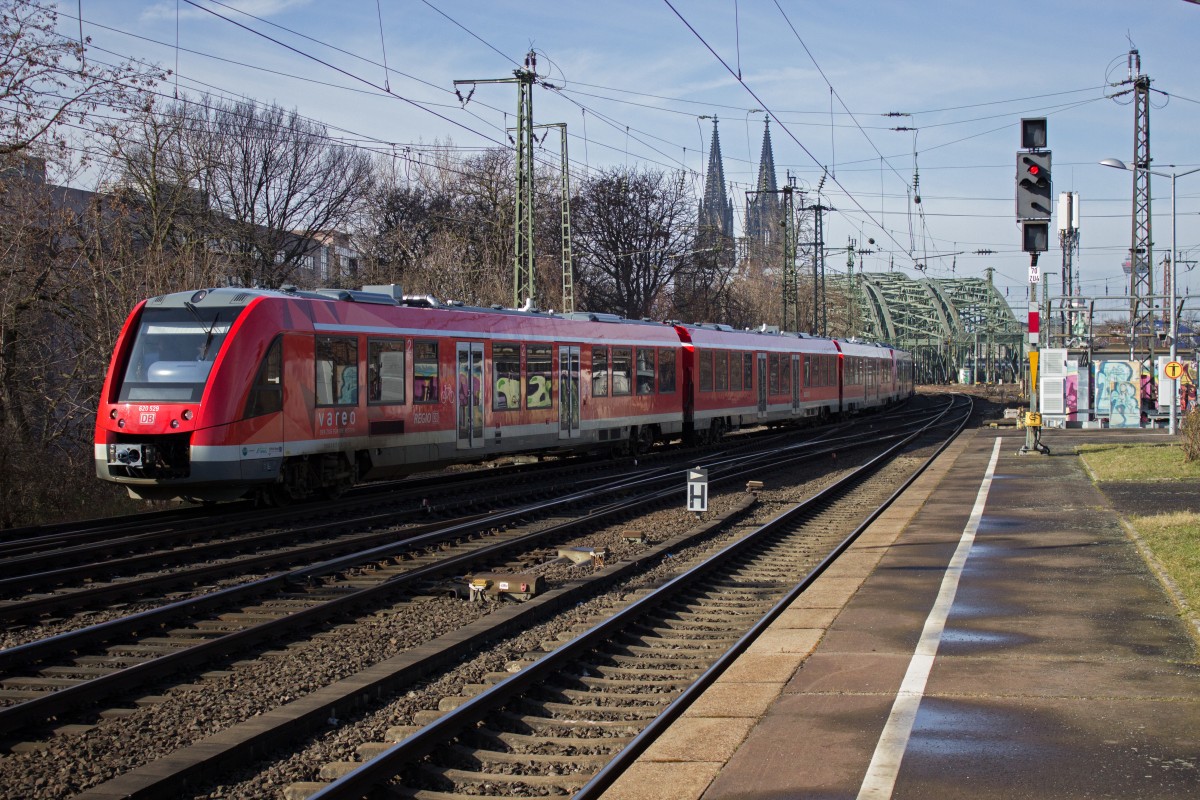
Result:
[161,429]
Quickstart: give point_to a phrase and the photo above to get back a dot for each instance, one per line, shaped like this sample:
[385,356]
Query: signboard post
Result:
[697,489]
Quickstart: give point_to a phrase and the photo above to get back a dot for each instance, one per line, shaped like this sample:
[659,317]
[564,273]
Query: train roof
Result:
[334,311]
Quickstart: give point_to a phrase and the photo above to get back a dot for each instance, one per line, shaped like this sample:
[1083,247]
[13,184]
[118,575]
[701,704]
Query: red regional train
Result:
[228,393]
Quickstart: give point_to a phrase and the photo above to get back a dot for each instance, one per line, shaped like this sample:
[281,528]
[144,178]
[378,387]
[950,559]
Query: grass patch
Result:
[1175,540]
[1139,462]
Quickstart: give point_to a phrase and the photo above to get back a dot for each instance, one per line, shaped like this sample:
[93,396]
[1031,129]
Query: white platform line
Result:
[880,779]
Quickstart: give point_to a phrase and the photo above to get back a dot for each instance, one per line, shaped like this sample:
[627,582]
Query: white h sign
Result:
[697,489]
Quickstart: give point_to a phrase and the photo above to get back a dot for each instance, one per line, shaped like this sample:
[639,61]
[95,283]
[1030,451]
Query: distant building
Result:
[326,258]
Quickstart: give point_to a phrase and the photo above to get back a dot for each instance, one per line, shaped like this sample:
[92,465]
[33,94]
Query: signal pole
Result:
[1033,215]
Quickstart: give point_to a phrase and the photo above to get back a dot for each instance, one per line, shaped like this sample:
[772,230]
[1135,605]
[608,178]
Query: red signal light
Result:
[1034,169]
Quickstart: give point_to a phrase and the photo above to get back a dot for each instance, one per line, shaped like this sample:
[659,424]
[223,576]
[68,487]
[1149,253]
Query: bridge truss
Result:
[950,325]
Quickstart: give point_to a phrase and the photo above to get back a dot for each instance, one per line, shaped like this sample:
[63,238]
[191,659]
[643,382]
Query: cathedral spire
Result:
[763,208]
[766,162]
[716,211]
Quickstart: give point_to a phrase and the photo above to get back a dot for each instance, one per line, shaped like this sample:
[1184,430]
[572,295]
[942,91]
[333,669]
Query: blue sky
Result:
[638,86]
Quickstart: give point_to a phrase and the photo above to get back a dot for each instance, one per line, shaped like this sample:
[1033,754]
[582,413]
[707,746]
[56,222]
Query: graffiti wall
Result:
[1119,393]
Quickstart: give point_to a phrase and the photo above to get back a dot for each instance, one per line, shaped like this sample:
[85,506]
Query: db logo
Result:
[147,419]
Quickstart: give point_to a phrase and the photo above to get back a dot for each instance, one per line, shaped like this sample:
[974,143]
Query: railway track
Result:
[349,593]
[568,722]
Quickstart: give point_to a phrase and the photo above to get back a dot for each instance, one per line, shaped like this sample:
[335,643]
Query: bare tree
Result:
[634,232]
[47,85]
[278,180]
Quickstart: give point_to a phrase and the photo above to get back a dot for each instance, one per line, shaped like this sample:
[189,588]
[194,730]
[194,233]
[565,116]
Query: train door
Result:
[470,395]
[762,385]
[795,383]
[568,392]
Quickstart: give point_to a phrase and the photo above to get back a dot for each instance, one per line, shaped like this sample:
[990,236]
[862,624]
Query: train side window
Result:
[645,370]
[538,384]
[599,371]
[721,371]
[785,373]
[748,371]
[622,358]
[666,370]
[706,375]
[425,372]
[385,371]
[773,373]
[337,371]
[735,372]
[506,376]
[266,394]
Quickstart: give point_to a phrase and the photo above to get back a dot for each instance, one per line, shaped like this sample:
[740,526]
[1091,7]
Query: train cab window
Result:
[266,394]
[173,352]
[773,373]
[622,364]
[425,372]
[721,371]
[645,370]
[506,376]
[704,357]
[599,372]
[385,371]
[538,384]
[666,370]
[748,371]
[337,371]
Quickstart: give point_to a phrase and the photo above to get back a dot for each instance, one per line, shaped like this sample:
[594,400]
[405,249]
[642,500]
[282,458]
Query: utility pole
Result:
[791,281]
[790,278]
[1141,256]
[820,320]
[852,323]
[568,277]
[1068,241]
[523,264]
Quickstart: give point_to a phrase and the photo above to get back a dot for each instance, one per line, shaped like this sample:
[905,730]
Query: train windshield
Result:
[173,351]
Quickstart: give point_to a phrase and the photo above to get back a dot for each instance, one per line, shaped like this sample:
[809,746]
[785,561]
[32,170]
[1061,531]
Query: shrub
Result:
[1189,435]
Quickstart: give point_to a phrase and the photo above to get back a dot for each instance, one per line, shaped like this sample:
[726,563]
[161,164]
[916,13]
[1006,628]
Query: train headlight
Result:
[112,414]
[174,423]
[120,423]
[187,413]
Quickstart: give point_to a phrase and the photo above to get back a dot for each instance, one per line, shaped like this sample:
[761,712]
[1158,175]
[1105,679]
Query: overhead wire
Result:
[765,106]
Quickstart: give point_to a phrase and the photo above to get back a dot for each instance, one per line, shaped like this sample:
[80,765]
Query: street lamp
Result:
[1117,163]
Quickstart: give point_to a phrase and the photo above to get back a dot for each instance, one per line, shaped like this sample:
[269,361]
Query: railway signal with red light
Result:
[1033,185]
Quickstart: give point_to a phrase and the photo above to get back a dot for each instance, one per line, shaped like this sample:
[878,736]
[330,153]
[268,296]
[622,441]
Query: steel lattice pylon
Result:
[943,322]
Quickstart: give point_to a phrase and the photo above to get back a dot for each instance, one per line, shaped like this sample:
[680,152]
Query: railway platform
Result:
[995,634]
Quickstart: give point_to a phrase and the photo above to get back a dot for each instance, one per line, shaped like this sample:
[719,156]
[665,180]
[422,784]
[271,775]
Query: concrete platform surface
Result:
[997,635]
